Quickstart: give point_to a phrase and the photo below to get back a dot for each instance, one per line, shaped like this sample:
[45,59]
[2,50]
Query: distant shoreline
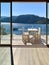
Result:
[21,23]
[26,26]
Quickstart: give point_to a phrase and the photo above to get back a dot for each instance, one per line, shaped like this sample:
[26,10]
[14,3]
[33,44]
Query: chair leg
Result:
[25,43]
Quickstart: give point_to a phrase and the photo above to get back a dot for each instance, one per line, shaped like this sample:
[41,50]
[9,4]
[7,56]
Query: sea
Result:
[19,26]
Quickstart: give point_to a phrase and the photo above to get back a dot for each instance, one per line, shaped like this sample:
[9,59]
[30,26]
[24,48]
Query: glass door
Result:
[5,23]
[28,15]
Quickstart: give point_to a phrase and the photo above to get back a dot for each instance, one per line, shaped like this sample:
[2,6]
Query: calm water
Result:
[25,26]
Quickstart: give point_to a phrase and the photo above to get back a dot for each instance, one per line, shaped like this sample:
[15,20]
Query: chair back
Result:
[39,32]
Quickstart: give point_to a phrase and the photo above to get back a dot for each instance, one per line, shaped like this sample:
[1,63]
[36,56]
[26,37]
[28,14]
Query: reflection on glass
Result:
[0,22]
[5,56]
[0,34]
[5,23]
[5,33]
[28,16]
[48,35]
[31,56]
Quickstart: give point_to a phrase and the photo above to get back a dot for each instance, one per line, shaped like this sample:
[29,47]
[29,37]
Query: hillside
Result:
[30,19]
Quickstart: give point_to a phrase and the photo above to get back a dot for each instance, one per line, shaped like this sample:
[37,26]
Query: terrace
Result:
[25,56]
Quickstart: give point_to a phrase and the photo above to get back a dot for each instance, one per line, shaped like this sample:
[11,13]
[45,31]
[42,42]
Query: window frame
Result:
[20,46]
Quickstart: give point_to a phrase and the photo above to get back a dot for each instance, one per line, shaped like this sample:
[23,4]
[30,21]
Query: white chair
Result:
[25,36]
[37,36]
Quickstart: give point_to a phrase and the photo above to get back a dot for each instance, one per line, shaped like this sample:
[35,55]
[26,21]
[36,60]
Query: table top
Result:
[34,29]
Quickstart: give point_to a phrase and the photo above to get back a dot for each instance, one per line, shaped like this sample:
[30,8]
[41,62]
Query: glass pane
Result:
[31,56]
[48,23]
[5,56]
[28,18]
[5,23]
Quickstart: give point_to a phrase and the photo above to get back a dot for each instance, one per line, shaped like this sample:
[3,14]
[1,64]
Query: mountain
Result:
[5,19]
[30,19]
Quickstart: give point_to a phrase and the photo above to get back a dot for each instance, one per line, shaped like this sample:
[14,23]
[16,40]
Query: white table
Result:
[32,30]
[35,36]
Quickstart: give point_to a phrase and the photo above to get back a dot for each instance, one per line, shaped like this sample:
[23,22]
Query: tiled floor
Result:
[5,56]
[31,56]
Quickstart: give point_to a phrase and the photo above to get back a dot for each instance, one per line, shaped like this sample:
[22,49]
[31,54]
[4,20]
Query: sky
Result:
[22,8]
[5,9]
